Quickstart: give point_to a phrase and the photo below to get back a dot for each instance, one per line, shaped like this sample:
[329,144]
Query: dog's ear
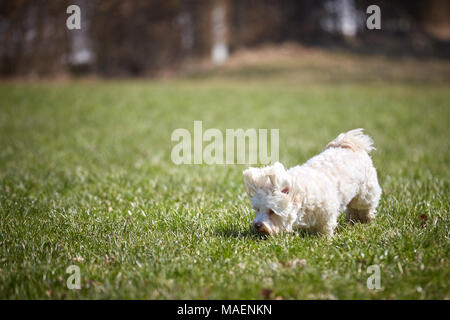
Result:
[285,189]
[250,181]
[279,178]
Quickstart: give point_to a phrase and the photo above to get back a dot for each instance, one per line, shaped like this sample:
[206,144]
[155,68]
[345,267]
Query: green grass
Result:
[85,172]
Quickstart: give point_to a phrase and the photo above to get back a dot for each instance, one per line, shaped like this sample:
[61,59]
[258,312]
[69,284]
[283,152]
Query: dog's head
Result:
[269,190]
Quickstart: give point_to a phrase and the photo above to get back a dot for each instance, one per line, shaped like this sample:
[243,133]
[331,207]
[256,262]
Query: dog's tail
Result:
[353,139]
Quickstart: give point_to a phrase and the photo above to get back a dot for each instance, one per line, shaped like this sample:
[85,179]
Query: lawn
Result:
[86,179]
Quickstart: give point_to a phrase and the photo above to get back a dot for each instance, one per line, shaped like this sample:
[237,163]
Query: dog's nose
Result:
[258,225]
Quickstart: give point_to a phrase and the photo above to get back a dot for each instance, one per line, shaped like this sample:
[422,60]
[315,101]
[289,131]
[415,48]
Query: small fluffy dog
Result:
[312,195]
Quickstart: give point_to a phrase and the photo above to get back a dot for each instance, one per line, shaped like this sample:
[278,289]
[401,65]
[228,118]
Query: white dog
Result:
[312,195]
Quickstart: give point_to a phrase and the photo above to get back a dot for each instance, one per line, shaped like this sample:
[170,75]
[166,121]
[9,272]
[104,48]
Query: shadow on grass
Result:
[236,232]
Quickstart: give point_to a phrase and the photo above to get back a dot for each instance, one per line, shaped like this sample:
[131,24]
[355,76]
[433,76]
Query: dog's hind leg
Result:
[363,207]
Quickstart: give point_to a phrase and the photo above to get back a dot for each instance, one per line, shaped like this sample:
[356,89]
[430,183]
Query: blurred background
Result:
[165,37]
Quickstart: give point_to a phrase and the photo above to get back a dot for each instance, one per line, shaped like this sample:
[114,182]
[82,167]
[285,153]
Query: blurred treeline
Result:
[143,37]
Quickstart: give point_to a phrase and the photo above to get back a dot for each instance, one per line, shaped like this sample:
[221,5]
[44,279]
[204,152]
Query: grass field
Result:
[86,179]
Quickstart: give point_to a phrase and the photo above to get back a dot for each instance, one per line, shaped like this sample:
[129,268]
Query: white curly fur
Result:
[311,196]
